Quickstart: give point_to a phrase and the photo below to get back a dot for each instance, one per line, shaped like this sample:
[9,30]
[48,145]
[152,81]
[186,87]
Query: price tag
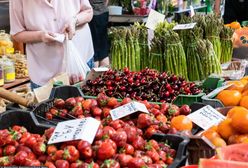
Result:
[153,19]
[184,26]
[79,129]
[128,109]
[206,117]
[217,91]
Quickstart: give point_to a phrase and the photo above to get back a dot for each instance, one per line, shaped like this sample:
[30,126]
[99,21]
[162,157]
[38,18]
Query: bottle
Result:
[9,70]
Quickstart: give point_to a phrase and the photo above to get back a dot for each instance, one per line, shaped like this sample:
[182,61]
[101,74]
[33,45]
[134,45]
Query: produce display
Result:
[147,84]
[119,145]
[154,122]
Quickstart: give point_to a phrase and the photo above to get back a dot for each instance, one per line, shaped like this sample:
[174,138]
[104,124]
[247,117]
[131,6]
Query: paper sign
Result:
[217,91]
[192,11]
[79,129]
[128,109]
[154,18]
[184,26]
[206,117]
[59,37]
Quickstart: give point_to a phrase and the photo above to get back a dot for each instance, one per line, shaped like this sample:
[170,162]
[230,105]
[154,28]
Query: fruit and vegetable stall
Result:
[178,100]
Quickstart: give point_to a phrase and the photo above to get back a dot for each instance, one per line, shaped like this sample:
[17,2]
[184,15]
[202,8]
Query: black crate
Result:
[65,92]
[179,143]
[21,118]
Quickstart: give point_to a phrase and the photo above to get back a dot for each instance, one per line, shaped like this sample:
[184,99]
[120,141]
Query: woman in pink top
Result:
[34,22]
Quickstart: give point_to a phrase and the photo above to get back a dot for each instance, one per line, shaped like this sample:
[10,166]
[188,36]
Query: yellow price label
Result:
[10,76]
[10,50]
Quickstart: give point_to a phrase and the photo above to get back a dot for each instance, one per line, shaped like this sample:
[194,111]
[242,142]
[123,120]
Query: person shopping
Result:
[99,30]
[34,22]
[235,10]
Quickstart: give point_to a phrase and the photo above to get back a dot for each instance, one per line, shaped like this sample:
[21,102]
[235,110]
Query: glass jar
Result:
[21,68]
[6,45]
[9,70]
[1,74]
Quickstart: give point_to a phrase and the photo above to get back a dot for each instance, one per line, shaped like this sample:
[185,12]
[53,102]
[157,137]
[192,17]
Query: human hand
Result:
[47,37]
[70,28]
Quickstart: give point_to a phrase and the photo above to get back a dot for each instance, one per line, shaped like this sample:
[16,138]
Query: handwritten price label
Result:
[206,117]
[153,19]
[184,26]
[79,129]
[127,110]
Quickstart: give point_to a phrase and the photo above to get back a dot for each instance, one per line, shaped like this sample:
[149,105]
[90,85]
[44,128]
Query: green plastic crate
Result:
[188,99]
[212,83]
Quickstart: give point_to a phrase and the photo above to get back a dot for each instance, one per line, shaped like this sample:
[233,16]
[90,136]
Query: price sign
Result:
[217,91]
[184,26]
[153,19]
[79,129]
[206,117]
[128,109]
[101,69]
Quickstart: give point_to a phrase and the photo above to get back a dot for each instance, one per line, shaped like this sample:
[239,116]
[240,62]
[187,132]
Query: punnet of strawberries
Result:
[147,84]
[119,144]
[157,121]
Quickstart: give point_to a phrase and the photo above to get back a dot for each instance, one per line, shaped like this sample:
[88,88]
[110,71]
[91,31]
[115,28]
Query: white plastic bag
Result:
[76,68]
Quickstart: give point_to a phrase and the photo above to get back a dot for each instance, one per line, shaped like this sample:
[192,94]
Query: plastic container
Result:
[212,83]
[179,143]
[115,10]
[21,68]
[1,75]
[65,92]
[9,70]
[5,43]
[215,103]
[21,118]
[188,99]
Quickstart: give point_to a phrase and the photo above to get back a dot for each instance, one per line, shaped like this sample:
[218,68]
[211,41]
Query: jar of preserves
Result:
[1,74]
[6,45]
[9,70]
[21,68]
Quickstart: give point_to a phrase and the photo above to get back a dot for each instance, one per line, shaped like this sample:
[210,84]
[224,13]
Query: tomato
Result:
[155,111]
[169,160]
[9,150]
[86,104]
[154,144]
[110,131]
[59,103]
[129,149]
[62,164]
[85,149]
[49,165]
[110,164]
[51,149]
[49,116]
[164,108]
[31,141]
[153,155]
[139,153]
[106,111]
[19,129]
[156,166]
[162,155]
[145,120]
[120,138]
[96,111]
[126,101]
[146,159]
[136,163]
[131,133]
[116,124]
[48,133]
[6,161]
[105,151]
[31,156]
[23,148]
[24,137]
[70,103]
[71,154]
[150,131]
[32,163]
[58,155]
[99,133]
[173,110]
[39,148]
[20,158]
[42,158]
[139,143]
[124,159]
[112,102]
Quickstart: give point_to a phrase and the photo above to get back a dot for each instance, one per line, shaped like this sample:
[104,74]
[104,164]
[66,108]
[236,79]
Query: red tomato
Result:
[124,159]
[136,163]
[20,158]
[85,149]
[71,154]
[105,151]
[51,149]
[9,150]
[62,164]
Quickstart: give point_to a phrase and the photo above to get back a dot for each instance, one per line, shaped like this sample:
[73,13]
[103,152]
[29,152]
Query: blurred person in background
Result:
[34,22]
[235,10]
[99,31]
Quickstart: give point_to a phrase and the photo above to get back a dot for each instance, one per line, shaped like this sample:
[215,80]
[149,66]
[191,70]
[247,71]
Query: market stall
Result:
[177,99]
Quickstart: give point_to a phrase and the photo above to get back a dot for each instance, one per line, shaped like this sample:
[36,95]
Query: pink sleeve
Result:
[16,16]
[85,4]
